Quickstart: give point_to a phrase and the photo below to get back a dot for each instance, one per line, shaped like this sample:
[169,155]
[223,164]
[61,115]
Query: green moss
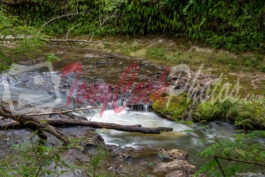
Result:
[245,114]
[173,108]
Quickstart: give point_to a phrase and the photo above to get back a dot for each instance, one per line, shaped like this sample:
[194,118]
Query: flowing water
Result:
[193,138]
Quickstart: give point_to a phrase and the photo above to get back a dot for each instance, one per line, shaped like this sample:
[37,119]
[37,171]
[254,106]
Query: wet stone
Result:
[175,165]
[175,154]
[177,173]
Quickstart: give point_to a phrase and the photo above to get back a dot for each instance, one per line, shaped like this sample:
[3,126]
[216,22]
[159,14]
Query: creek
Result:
[192,139]
[100,67]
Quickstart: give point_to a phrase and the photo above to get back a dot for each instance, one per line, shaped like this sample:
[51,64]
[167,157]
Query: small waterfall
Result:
[146,107]
[119,102]
[140,107]
[109,106]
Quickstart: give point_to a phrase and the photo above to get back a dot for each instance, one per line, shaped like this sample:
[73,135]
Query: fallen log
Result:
[67,122]
[35,124]
[39,125]
[127,128]
[11,125]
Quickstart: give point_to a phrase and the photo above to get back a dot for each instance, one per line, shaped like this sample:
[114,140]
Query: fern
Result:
[243,154]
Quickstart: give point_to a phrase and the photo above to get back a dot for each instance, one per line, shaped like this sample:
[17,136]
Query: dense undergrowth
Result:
[234,25]
[245,114]
[13,28]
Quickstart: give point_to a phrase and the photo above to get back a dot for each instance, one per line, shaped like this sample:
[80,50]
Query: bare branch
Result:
[58,17]
[236,160]
[243,161]
[67,40]
[219,165]
[101,23]
[67,34]
[60,112]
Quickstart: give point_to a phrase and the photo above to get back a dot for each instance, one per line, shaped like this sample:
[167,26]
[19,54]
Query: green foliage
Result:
[5,27]
[51,58]
[245,63]
[17,40]
[156,53]
[234,25]
[33,159]
[245,114]
[97,159]
[177,58]
[30,159]
[208,111]
[242,148]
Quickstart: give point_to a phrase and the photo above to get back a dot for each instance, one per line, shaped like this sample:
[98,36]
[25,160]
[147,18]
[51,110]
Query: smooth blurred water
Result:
[192,139]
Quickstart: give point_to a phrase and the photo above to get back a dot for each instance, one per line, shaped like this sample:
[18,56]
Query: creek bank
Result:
[155,162]
[87,144]
[201,97]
